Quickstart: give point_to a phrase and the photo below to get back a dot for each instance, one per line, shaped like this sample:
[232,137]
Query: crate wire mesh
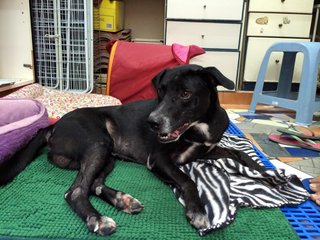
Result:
[63,43]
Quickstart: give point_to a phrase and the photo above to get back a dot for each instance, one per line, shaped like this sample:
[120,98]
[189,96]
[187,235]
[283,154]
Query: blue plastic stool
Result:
[306,103]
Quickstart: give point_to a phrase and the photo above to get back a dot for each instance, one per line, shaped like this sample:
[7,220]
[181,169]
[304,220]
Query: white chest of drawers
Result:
[271,21]
[212,25]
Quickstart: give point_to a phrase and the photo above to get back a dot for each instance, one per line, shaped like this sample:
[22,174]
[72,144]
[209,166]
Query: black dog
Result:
[187,122]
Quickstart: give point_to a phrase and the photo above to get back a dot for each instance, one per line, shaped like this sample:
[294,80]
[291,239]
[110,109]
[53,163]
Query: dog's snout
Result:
[154,123]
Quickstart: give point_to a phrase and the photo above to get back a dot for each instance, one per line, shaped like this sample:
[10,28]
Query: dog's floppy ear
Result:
[219,78]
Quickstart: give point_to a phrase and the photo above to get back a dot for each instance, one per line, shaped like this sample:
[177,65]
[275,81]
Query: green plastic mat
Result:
[33,206]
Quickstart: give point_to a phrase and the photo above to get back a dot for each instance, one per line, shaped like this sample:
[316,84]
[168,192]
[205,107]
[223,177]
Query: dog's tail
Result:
[15,165]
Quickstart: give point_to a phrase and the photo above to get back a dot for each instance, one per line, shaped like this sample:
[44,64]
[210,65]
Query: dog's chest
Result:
[185,153]
[195,145]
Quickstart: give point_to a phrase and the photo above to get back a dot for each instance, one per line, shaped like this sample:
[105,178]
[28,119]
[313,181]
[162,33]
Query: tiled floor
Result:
[256,128]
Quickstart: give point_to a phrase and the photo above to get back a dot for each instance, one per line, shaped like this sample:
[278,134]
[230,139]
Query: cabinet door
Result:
[226,62]
[203,34]
[292,6]
[16,61]
[205,9]
[279,25]
[256,50]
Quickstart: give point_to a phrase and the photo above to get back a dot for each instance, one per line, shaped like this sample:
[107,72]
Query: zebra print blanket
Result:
[224,185]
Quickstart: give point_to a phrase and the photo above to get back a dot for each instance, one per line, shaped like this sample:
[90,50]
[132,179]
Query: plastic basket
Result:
[304,218]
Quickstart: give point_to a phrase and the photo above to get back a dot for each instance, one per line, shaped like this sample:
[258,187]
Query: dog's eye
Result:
[185,95]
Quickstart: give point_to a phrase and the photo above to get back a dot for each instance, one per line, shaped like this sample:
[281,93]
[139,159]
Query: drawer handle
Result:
[202,36]
[277,61]
[27,65]
[283,1]
[280,25]
[204,6]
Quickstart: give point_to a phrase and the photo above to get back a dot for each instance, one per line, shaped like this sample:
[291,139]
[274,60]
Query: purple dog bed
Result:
[20,119]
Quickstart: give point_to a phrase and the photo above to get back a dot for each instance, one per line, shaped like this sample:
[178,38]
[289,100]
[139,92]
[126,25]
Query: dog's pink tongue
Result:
[174,134]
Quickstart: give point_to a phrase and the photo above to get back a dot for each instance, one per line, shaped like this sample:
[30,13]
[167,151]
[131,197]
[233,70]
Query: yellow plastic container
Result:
[109,16]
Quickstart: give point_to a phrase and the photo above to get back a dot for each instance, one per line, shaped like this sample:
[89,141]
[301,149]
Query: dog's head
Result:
[186,94]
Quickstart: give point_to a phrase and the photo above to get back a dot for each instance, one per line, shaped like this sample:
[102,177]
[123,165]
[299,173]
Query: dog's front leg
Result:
[239,156]
[167,171]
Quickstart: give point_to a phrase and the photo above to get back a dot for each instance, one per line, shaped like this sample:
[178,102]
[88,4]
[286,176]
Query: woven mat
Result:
[33,207]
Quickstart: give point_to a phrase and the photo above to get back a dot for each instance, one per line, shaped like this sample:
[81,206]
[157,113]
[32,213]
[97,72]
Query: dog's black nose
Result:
[154,123]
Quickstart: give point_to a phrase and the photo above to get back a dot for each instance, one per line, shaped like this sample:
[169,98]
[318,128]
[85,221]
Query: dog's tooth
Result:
[164,137]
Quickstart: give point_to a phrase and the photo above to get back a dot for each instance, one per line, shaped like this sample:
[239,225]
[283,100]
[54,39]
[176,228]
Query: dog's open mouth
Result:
[174,135]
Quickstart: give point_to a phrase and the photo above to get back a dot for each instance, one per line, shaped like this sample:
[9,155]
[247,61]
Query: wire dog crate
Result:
[63,44]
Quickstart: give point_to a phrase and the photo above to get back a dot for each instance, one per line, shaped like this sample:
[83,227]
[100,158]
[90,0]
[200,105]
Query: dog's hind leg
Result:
[120,200]
[77,196]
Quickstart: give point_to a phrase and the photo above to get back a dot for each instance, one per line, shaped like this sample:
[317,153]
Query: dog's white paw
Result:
[198,220]
[127,203]
[101,225]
